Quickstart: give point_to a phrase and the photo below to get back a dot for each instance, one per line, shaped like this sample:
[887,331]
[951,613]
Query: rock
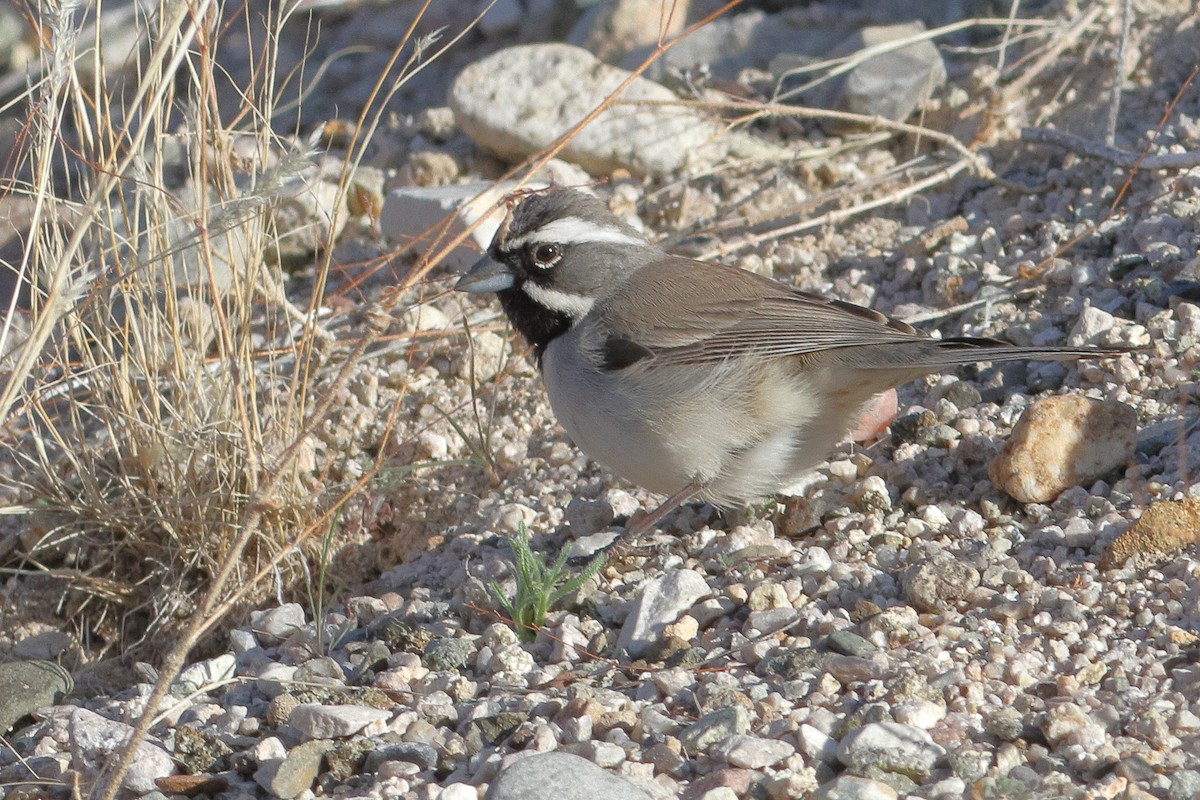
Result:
[275,625]
[849,643]
[519,100]
[94,739]
[1063,720]
[560,776]
[500,17]
[616,27]
[446,654]
[1163,529]
[231,246]
[937,583]
[423,755]
[1061,442]
[329,722]
[890,85]
[752,752]
[715,726]
[734,42]
[310,213]
[660,603]
[211,673]
[26,686]
[851,787]
[816,744]
[417,213]
[1092,324]
[298,769]
[890,747]
[44,646]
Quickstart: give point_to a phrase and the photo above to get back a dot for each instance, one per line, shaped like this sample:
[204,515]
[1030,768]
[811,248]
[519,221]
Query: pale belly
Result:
[745,435]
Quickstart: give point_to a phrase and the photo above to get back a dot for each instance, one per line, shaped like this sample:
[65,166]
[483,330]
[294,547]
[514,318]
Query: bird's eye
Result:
[546,255]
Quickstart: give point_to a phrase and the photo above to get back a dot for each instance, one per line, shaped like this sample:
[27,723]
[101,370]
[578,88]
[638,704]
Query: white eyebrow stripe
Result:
[573,230]
[575,306]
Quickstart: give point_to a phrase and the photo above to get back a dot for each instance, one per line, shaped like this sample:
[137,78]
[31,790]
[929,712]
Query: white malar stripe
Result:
[573,230]
[575,306]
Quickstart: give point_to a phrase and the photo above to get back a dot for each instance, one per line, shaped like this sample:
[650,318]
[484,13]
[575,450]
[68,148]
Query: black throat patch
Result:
[538,324]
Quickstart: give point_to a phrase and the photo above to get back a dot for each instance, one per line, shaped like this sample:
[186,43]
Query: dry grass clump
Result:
[156,405]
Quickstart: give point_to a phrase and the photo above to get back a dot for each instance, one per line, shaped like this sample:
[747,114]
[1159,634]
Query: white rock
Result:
[752,752]
[328,722]
[661,602]
[211,674]
[816,744]
[417,212]
[1091,325]
[890,746]
[519,100]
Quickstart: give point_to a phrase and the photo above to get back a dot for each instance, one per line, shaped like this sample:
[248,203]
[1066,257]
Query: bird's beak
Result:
[487,275]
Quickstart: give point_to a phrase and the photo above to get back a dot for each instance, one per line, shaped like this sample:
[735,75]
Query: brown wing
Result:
[670,311]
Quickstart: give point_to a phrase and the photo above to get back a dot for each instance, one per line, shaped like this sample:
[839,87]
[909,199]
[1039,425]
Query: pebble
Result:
[715,726]
[849,643]
[92,739]
[296,772]
[330,722]
[661,602]
[890,747]
[752,752]
[273,626]
[938,583]
[851,787]
[1064,441]
[559,776]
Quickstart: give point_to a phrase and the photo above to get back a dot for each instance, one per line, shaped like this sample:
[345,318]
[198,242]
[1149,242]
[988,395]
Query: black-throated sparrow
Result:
[694,378]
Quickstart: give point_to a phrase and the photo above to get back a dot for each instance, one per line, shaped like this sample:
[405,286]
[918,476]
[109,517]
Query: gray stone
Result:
[275,625]
[519,100]
[26,686]
[937,583]
[851,787]
[329,722]
[891,84]
[715,726]
[660,603]
[1185,785]
[890,747]
[423,755]
[849,643]
[447,654]
[560,776]
[1092,324]
[734,42]
[44,646]
[298,770]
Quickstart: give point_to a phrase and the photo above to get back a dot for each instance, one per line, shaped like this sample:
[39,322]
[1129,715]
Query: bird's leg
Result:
[644,522]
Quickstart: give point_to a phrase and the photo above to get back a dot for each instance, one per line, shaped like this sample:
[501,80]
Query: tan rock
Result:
[1163,529]
[1062,442]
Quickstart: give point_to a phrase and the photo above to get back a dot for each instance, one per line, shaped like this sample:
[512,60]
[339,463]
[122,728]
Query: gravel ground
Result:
[900,627]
